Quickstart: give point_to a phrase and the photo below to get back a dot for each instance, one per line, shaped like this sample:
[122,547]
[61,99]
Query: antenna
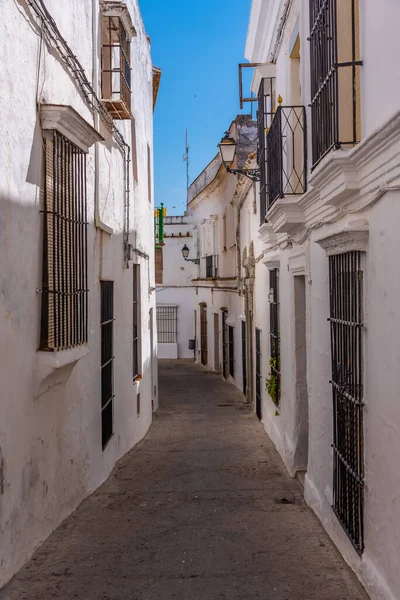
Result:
[186,160]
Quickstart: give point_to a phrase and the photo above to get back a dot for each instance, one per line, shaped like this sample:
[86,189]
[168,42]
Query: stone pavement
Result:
[202,509]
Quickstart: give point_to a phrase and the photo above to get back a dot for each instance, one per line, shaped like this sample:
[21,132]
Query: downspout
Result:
[96,117]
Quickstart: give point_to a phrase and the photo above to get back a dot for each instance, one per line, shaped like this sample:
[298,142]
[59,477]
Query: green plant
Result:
[272,381]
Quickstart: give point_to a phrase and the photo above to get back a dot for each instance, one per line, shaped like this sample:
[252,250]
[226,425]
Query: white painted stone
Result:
[50,422]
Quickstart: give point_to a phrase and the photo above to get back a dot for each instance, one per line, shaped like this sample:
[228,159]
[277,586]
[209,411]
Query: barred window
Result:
[335,75]
[167,331]
[107,360]
[136,321]
[64,318]
[346,323]
[274,335]
[266,109]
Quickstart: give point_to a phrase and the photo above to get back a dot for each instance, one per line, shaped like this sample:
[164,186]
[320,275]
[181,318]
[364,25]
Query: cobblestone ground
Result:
[202,509]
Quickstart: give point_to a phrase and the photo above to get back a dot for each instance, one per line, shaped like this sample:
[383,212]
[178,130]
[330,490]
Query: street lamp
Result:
[227,150]
[185,254]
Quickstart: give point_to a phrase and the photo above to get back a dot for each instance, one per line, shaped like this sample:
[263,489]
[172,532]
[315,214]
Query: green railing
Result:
[159,214]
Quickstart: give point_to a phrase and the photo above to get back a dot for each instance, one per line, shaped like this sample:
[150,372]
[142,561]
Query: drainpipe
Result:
[95,83]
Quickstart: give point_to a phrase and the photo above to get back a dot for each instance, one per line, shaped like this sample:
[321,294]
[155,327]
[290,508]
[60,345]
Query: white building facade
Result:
[77,306]
[175,294]
[329,182]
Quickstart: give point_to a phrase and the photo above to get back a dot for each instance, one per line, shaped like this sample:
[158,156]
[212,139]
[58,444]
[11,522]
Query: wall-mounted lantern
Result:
[227,150]
[185,254]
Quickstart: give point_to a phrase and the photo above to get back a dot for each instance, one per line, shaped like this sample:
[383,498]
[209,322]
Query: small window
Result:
[149,173]
[231,337]
[116,62]
[136,321]
[107,360]
[167,331]
[64,318]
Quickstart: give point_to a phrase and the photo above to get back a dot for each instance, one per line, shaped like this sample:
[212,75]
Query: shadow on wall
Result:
[50,447]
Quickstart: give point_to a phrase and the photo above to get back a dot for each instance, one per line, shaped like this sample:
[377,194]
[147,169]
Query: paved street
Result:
[202,509]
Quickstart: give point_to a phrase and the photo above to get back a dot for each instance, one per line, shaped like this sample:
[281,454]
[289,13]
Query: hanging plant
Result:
[272,382]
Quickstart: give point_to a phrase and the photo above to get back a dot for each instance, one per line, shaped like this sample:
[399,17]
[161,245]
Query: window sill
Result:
[54,368]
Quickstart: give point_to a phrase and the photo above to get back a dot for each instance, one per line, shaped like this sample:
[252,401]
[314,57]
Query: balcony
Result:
[286,154]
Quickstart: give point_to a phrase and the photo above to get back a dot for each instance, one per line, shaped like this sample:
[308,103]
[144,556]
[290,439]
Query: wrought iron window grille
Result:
[335,76]
[64,312]
[167,323]
[107,360]
[265,115]
[346,328]
[116,68]
[274,334]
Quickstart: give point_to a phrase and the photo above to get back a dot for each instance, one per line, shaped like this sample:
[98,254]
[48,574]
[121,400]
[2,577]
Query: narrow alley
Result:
[202,508]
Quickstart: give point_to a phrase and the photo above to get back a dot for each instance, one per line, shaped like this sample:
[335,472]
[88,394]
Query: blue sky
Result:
[198,46]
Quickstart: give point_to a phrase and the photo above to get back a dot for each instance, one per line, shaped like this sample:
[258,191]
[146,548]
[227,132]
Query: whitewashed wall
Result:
[176,287]
[50,444]
[335,203]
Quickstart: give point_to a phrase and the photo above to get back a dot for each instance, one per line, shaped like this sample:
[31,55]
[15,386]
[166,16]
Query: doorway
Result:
[258,374]
[244,359]
[224,344]
[203,334]
[216,341]
[301,417]
[151,325]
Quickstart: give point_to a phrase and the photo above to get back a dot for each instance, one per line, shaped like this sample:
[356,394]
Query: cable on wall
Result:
[77,72]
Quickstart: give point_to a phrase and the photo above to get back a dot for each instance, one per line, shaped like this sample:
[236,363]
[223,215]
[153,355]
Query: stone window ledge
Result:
[54,368]
[69,123]
[348,240]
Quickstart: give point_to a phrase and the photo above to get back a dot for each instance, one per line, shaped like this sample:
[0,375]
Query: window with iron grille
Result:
[211,266]
[274,333]
[346,325]
[64,315]
[258,374]
[136,366]
[167,324]
[115,66]
[335,75]
[286,154]
[266,108]
[244,358]
[231,344]
[107,360]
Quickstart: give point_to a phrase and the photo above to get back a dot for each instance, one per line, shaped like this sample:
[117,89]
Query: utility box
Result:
[192,344]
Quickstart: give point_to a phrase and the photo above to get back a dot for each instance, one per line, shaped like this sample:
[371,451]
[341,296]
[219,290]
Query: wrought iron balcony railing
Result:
[286,154]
